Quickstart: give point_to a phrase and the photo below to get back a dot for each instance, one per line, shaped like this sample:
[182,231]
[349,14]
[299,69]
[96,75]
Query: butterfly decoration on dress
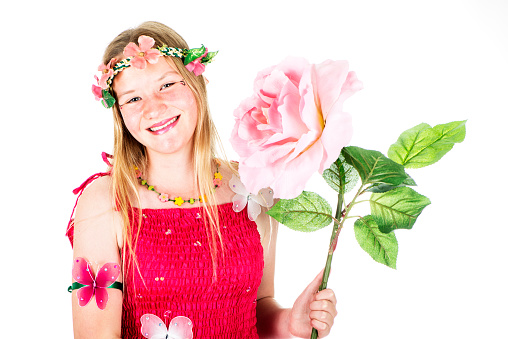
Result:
[253,201]
[87,284]
[152,327]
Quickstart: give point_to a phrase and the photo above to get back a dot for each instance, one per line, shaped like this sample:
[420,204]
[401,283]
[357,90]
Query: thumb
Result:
[314,285]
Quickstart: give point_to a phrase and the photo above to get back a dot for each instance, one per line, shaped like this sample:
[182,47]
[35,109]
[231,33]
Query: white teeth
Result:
[155,129]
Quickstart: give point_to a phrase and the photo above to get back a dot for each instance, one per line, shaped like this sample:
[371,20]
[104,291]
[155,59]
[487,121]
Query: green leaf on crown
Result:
[397,208]
[373,167]
[382,247]
[208,58]
[307,212]
[107,99]
[193,54]
[424,145]
[341,176]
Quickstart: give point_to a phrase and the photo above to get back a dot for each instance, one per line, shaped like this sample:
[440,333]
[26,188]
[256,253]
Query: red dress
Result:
[175,262]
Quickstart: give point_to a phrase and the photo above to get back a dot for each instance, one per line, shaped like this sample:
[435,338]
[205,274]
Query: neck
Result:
[171,172]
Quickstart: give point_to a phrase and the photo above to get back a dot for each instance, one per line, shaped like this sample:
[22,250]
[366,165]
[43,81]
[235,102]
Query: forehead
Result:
[164,67]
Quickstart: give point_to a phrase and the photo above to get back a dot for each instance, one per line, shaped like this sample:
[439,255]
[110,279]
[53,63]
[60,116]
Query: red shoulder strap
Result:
[79,190]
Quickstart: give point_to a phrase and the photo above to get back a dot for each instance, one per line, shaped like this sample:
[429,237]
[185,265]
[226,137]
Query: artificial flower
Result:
[97,92]
[217,182]
[179,201]
[196,66]
[142,54]
[164,197]
[107,72]
[253,202]
[152,327]
[293,125]
[94,285]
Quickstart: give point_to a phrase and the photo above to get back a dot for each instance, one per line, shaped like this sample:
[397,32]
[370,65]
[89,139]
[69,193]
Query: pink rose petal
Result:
[293,125]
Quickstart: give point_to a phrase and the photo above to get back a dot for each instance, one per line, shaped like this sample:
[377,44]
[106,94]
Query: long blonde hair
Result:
[130,154]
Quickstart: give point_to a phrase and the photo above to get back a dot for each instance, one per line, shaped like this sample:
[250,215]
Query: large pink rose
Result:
[293,125]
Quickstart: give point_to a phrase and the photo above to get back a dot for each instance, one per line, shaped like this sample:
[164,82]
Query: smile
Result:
[164,125]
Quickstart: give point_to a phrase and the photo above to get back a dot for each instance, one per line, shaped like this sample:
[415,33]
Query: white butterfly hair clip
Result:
[152,327]
[253,201]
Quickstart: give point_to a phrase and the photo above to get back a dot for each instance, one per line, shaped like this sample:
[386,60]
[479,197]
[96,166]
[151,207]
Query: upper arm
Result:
[96,226]
[268,231]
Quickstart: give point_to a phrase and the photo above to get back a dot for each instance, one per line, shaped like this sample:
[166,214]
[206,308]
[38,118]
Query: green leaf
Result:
[382,247]
[423,145]
[373,167]
[208,58]
[397,208]
[307,212]
[382,188]
[341,176]
[193,54]
[107,99]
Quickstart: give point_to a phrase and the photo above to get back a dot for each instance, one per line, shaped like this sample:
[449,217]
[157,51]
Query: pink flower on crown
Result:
[107,72]
[196,66]
[143,53]
[97,90]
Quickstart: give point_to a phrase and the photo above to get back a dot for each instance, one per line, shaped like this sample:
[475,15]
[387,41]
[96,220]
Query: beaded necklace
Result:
[164,197]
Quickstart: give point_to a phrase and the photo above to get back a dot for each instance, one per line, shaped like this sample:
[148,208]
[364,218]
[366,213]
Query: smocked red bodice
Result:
[175,261]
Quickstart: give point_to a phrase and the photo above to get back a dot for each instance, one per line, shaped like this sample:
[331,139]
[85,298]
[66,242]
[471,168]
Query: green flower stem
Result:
[337,226]
[338,222]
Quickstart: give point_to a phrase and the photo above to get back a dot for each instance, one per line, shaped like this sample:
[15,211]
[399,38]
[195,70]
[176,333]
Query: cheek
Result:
[130,122]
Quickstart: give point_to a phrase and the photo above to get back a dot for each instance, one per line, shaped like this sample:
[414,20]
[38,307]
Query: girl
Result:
[161,222]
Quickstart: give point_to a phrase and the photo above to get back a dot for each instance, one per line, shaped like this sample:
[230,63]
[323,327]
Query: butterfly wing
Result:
[253,209]
[264,197]
[107,274]
[236,186]
[239,202]
[180,328]
[152,327]
[82,273]
[85,294]
[101,297]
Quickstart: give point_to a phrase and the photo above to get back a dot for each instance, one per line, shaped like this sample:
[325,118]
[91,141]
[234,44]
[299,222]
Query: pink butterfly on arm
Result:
[152,327]
[94,285]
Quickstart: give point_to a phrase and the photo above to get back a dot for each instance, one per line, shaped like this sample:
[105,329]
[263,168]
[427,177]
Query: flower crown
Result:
[137,56]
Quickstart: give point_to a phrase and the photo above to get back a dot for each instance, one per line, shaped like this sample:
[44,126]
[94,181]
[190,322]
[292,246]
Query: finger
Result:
[327,294]
[325,306]
[322,328]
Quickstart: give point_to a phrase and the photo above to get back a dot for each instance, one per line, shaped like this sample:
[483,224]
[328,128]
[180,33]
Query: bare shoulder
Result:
[97,224]
[96,198]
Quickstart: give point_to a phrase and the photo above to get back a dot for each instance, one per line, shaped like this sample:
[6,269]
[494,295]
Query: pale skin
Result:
[98,227]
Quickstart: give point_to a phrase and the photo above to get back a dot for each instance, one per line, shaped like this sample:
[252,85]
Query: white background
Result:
[420,61]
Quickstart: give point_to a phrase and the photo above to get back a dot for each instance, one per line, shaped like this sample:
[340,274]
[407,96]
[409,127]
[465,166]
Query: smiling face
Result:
[157,107]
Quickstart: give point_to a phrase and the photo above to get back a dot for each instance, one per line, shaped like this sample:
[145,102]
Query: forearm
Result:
[272,319]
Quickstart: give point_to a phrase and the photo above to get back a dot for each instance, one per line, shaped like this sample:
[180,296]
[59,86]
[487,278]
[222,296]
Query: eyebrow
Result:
[161,78]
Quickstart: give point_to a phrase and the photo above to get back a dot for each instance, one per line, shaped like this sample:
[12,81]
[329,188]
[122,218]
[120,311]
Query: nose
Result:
[154,107]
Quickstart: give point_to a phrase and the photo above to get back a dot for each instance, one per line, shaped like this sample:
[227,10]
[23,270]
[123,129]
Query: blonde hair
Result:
[130,154]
